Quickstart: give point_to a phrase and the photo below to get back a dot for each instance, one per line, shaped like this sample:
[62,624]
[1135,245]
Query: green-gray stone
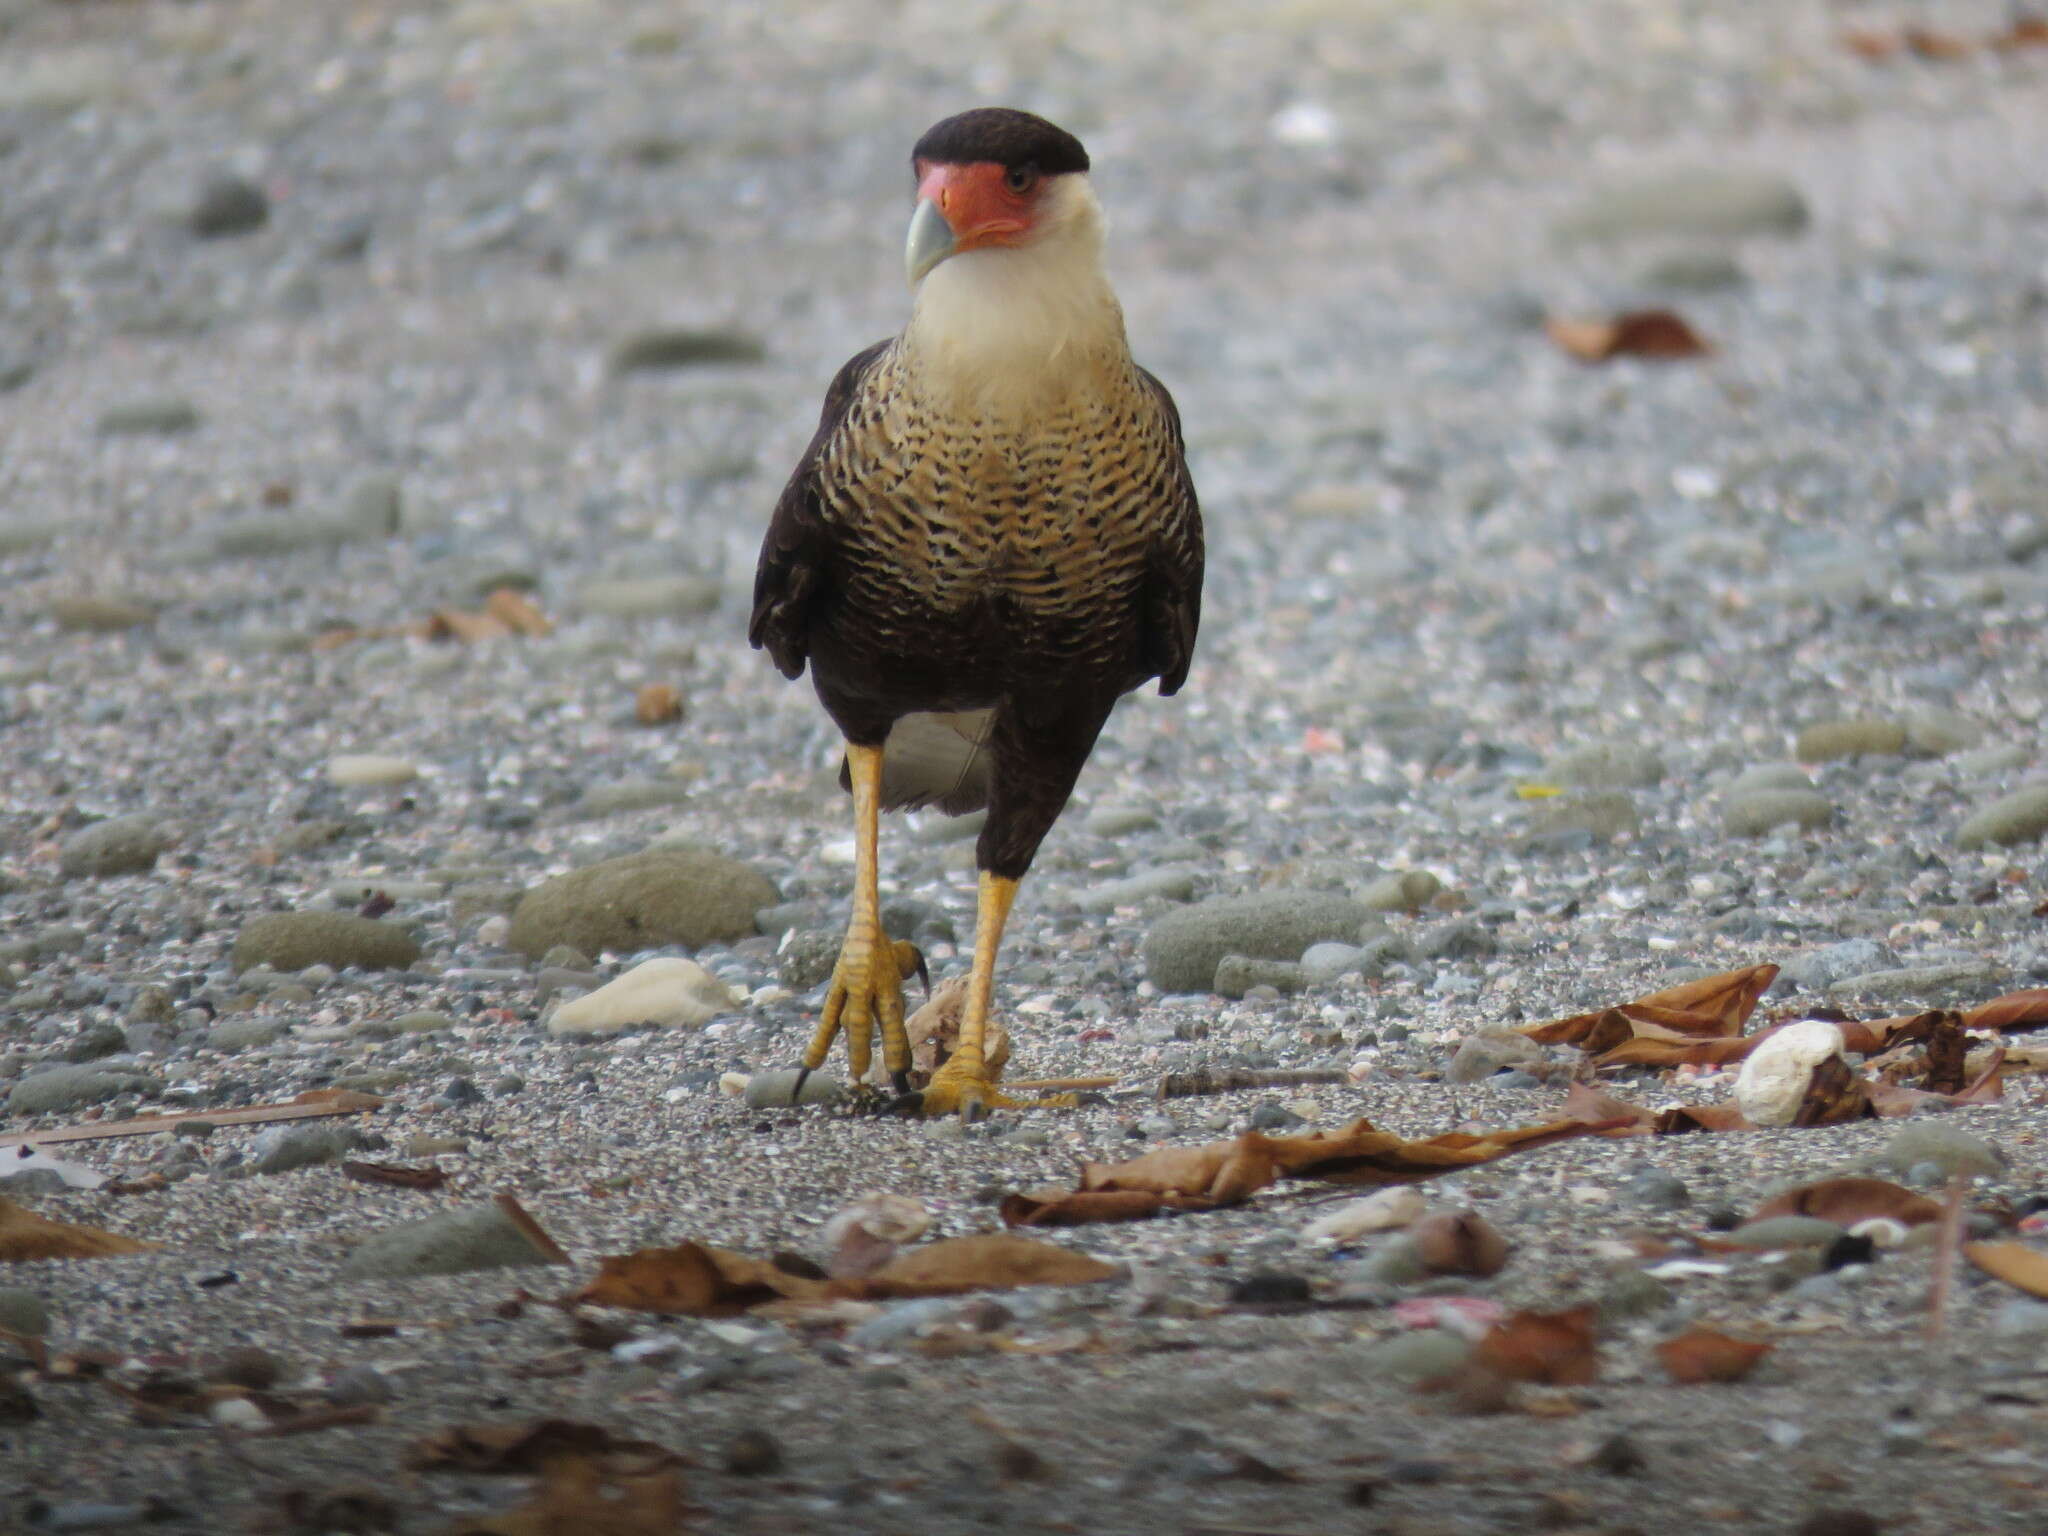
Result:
[163,416]
[1607,765]
[454,1243]
[305,1146]
[23,1312]
[291,941]
[1835,739]
[1631,1294]
[483,898]
[1697,202]
[1938,732]
[1763,812]
[248,1033]
[125,845]
[1786,1232]
[1767,776]
[1950,1148]
[74,1087]
[100,615]
[1408,890]
[424,1021]
[683,896]
[682,347]
[1238,974]
[2021,817]
[807,958]
[1183,948]
[1427,1354]
[1604,814]
[650,597]
[603,800]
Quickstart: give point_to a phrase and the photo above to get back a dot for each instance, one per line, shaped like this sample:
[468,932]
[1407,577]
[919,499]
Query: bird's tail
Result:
[934,759]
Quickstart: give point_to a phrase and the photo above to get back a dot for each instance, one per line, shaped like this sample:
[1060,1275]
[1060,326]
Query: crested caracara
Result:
[991,537]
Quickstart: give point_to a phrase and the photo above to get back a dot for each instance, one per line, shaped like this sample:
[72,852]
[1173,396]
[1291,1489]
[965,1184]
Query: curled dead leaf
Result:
[692,1280]
[25,1236]
[1834,1096]
[1649,333]
[934,1032]
[2012,1013]
[1083,1207]
[657,704]
[1555,1348]
[2016,1264]
[1701,1354]
[1459,1243]
[395,1174]
[985,1261]
[517,612]
[1848,1201]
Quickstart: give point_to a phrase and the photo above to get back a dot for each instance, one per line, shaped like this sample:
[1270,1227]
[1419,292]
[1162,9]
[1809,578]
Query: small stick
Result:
[1945,1257]
[1185,1085]
[1041,1084]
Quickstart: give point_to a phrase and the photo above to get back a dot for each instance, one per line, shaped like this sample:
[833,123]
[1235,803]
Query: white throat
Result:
[1004,328]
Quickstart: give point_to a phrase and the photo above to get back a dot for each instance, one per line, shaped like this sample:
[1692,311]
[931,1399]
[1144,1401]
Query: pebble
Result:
[1597,816]
[1659,1189]
[160,416]
[1767,776]
[1702,270]
[1990,762]
[370,770]
[1632,1294]
[100,615]
[96,1041]
[455,1242]
[1322,963]
[425,1021]
[1427,1354]
[1950,1148]
[252,1033]
[1818,969]
[1762,812]
[650,597]
[291,941]
[753,1453]
[1183,949]
[1940,732]
[1786,1232]
[774,1090]
[2020,817]
[1607,765]
[1832,740]
[669,992]
[1237,975]
[1937,984]
[23,1311]
[2015,1319]
[1774,1077]
[285,1148]
[1721,203]
[1149,885]
[228,205]
[1410,890]
[684,347]
[1122,820]
[58,1089]
[1480,1056]
[689,897]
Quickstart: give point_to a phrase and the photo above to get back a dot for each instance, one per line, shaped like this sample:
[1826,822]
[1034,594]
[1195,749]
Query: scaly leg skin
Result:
[963,1084]
[867,983]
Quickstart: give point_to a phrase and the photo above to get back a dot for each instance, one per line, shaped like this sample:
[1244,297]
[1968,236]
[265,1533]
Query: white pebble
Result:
[366,770]
[1773,1081]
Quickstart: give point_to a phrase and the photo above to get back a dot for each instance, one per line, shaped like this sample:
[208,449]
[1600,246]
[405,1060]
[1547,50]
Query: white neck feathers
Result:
[1004,329]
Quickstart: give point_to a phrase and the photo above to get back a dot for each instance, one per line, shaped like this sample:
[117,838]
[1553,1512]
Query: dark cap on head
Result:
[1008,137]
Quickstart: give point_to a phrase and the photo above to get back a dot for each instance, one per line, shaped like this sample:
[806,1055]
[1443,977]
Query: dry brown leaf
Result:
[1848,1201]
[657,704]
[1459,1243]
[1220,1172]
[517,612]
[1872,45]
[469,628]
[1936,45]
[1684,1119]
[1834,1096]
[1585,1103]
[1082,1207]
[1652,333]
[313,1104]
[2015,1263]
[934,1032]
[25,1236]
[1648,1052]
[692,1280]
[525,1446]
[395,1174]
[592,1496]
[985,1261]
[1700,1355]
[1714,1006]
[2025,32]
[2011,1014]
[1554,1348]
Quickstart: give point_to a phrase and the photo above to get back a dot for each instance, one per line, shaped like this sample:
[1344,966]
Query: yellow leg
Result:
[964,1082]
[867,983]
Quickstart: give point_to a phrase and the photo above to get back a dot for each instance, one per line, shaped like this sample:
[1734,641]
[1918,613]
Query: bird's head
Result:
[996,179]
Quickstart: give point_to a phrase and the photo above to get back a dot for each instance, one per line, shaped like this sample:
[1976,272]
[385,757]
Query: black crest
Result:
[1010,138]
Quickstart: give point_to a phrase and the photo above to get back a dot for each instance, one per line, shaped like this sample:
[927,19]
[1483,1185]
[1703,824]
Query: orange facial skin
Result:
[978,202]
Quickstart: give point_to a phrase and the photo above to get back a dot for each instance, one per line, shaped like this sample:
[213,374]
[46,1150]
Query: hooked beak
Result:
[930,240]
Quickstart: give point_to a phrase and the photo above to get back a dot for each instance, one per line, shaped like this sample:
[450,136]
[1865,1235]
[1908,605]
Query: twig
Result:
[1046,1084]
[1185,1085]
[1946,1241]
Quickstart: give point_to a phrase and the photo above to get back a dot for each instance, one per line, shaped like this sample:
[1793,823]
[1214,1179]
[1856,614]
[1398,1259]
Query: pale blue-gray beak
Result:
[929,242]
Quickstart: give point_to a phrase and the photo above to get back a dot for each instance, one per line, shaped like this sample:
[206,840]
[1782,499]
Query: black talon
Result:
[900,1081]
[907,1106]
[972,1111]
[924,972]
[796,1090]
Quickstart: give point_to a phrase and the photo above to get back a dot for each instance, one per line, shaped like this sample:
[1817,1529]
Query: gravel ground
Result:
[318,320]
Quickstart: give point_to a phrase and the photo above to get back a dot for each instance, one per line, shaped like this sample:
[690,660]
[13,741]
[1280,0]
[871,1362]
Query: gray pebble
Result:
[1767,776]
[228,205]
[163,416]
[125,845]
[1410,890]
[1835,739]
[1949,1148]
[1657,1188]
[1183,948]
[1607,765]
[23,1311]
[288,1147]
[1480,1056]
[455,1242]
[1935,984]
[2021,817]
[1719,203]
[1427,1354]
[291,941]
[1240,976]
[1632,1293]
[1763,812]
[778,1089]
[1148,885]
[73,1087]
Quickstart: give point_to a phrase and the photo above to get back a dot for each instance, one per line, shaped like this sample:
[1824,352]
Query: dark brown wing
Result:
[796,556]
[1173,578]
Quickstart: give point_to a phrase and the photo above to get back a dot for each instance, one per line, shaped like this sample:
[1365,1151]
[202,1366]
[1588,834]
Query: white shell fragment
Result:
[1773,1081]
[1390,1208]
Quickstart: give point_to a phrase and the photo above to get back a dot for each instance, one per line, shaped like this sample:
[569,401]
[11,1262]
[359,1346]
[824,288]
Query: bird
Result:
[991,538]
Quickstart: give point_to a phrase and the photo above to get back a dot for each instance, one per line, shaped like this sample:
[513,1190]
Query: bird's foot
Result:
[969,1090]
[866,998]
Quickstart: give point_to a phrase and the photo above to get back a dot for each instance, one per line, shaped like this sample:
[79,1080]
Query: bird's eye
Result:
[1021,178]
